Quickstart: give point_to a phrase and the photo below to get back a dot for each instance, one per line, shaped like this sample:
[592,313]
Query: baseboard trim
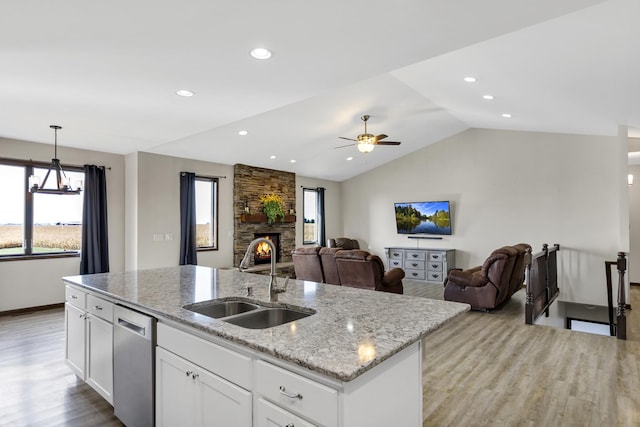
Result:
[27,310]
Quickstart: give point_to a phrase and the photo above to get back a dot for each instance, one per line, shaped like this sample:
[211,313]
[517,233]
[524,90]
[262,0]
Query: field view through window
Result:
[57,220]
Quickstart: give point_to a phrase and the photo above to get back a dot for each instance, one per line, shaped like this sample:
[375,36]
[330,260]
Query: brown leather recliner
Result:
[487,286]
[517,277]
[343,243]
[307,264]
[360,269]
[329,266]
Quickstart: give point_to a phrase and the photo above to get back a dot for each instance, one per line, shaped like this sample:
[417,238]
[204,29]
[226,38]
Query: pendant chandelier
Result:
[63,183]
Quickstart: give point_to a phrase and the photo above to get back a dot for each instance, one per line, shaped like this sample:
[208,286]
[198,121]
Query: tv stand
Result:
[426,264]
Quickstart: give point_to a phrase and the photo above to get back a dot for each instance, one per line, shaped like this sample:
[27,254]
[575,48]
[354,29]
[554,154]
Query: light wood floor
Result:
[491,369]
[480,369]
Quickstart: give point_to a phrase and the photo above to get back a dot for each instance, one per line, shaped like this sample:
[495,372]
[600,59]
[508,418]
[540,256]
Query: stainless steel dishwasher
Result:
[134,341]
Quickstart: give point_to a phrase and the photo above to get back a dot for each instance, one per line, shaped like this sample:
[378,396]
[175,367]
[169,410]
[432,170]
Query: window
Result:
[310,215]
[206,213]
[37,224]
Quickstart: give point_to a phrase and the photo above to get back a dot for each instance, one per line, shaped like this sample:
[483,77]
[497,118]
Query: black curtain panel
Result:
[94,256]
[321,218]
[188,252]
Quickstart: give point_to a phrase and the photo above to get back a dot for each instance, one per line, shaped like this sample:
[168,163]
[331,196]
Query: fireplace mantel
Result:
[262,218]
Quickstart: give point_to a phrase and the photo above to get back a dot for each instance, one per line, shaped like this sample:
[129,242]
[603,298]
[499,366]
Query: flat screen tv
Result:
[423,218]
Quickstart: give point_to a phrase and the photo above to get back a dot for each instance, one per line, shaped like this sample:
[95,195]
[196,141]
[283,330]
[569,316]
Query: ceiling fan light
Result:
[365,147]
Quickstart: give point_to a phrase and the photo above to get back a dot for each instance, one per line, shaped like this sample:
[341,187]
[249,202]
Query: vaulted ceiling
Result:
[108,73]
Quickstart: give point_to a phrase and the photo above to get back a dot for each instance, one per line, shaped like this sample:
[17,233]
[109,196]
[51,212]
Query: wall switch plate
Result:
[168,236]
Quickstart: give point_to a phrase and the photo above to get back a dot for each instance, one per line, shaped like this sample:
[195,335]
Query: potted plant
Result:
[272,207]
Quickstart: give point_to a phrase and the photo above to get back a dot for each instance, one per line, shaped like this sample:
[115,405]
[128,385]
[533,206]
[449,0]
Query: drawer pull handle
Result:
[415,264]
[74,297]
[283,391]
[436,256]
[415,274]
[189,373]
[97,307]
[435,265]
[396,254]
[414,255]
[289,425]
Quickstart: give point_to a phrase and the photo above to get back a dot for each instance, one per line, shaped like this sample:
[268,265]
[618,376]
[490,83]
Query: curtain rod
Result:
[205,176]
[312,188]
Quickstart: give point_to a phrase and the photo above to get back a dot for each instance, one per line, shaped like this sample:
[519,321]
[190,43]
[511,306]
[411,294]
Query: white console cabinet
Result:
[89,339]
[429,265]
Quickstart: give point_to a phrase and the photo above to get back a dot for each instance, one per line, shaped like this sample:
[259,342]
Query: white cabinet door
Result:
[75,339]
[175,390]
[221,402]
[269,415]
[99,370]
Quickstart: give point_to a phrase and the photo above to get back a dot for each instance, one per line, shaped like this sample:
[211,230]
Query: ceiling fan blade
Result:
[381,136]
[388,143]
[344,146]
[348,139]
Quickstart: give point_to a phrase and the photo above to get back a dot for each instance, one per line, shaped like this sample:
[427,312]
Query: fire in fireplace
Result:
[262,252]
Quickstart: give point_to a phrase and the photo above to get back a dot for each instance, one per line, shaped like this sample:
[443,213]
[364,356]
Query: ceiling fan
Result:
[366,142]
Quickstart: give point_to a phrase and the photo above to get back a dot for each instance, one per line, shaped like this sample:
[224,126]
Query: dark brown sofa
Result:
[487,286]
[360,269]
[343,243]
[354,268]
[307,265]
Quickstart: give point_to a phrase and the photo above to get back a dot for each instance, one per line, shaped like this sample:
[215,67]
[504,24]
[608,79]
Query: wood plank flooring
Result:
[479,369]
[491,369]
[36,386]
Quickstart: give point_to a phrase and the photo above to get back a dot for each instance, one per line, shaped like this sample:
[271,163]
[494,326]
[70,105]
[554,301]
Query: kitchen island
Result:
[360,351]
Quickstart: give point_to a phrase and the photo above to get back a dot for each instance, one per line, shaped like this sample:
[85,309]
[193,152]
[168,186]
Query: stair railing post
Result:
[621,323]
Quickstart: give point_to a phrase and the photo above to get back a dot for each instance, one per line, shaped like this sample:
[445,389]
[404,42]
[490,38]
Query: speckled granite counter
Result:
[352,331]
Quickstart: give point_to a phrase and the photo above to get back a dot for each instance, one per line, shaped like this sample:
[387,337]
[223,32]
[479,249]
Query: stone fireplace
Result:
[262,252]
[249,183]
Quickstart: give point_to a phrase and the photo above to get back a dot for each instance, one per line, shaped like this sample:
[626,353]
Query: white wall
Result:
[31,283]
[506,187]
[158,210]
[332,202]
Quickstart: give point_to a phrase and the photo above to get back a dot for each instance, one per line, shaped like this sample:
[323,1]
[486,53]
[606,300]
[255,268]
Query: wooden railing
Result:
[541,282]
[618,327]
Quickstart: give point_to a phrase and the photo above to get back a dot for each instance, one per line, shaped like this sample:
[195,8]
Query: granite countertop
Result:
[352,330]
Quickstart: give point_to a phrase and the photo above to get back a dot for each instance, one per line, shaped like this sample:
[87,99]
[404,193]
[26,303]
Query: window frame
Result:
[28,254]
[315,192]
[215,189]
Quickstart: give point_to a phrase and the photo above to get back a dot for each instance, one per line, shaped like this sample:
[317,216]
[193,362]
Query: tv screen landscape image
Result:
[423,218]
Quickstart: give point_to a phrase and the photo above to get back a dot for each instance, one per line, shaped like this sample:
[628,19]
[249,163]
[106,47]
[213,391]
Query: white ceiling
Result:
[108,71]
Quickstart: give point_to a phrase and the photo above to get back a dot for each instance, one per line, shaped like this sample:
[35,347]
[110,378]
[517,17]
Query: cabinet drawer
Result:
[418,255]
[222,361]
[435,276]
[75,297]
[100,308]
[395,263]
[396,253]
[434,266]
[437,256]
[414,264]
[297,394]
[414,274]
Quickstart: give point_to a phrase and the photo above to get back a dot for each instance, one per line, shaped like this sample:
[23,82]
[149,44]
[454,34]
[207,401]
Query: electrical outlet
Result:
[158,237]
[168,236]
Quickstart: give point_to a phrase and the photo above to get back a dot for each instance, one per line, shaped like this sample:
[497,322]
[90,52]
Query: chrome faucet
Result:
[273,287]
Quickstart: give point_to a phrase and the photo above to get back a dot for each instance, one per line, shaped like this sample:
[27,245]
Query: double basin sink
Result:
[251,315]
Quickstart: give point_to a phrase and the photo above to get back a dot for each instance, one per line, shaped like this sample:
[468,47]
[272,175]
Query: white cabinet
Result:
[269,415]
[89,340]
[188,395]
[430,265]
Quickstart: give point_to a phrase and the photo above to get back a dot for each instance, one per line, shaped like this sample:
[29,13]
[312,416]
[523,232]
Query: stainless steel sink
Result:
[267,318]
[219,309]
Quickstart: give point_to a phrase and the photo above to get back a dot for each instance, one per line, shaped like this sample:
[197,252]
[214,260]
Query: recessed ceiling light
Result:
[489,97]
[185,92]
[292,161]
[469,79]
[261,53]
[506,115]
[242,132]
[349,158]
[272,157]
